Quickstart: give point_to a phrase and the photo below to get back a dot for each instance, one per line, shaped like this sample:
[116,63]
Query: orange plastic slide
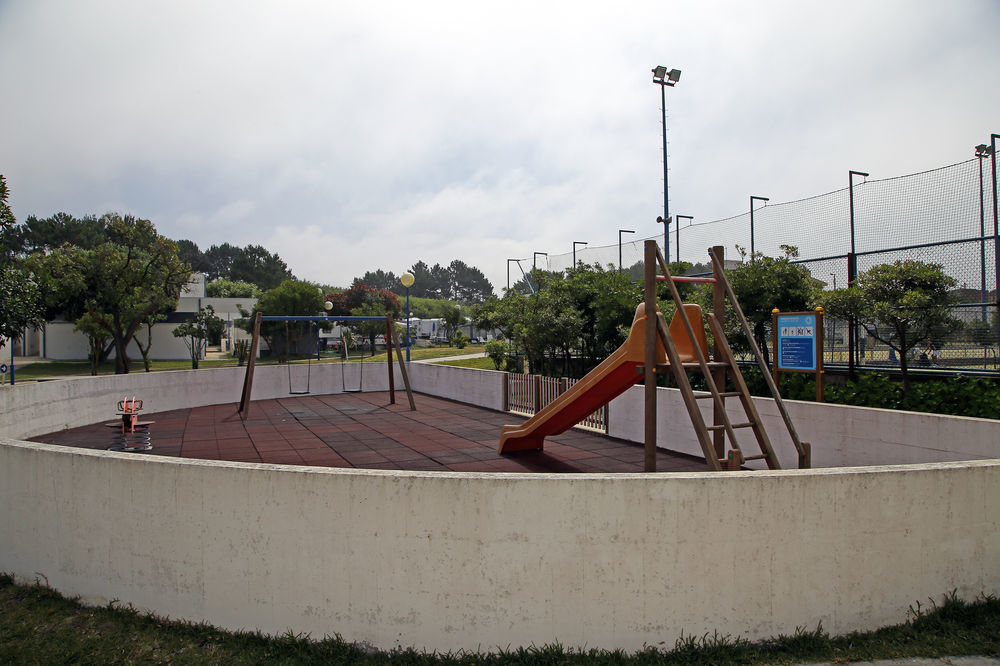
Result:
[604,383]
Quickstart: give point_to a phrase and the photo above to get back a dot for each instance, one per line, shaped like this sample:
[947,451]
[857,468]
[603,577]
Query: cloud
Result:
[354,136]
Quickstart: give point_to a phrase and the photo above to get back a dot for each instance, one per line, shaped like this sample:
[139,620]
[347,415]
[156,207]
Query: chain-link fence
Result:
[945,216]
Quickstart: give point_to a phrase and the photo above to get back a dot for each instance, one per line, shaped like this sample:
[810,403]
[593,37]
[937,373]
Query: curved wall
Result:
[447,561]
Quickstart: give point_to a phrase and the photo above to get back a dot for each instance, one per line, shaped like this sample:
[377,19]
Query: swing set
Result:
[392,344]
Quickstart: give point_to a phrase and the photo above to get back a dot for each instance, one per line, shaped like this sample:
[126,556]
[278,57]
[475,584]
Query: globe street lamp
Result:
[664,78]
[407,279]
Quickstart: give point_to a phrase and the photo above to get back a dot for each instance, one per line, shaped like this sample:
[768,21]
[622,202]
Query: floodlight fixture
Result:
[982,150]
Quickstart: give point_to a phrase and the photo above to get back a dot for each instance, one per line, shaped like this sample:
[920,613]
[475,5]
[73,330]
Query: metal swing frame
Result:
[392,344]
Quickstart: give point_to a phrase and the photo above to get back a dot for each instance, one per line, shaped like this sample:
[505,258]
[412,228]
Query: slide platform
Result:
[604,383]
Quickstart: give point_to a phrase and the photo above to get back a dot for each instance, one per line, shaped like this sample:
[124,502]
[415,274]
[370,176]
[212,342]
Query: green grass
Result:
[425,353]
[48,369]
[479,363]
[37,625]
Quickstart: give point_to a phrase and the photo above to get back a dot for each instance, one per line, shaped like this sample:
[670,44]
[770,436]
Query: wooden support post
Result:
[649,262]
[402,369]
[718,375]
[388,358]
[244,409]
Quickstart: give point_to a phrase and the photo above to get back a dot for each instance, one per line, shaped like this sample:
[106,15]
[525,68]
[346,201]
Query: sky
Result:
[355,136]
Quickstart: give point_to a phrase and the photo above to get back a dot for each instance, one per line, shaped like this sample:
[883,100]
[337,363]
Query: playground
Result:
[365,431]
[406,523]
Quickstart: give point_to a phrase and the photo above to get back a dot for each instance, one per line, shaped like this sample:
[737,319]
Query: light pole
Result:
[407,280]
[752,199]
[535,259]
[982,151]
[664,78]
[833,327]
[852,274]
[575,243]
[677,234]
[620,232]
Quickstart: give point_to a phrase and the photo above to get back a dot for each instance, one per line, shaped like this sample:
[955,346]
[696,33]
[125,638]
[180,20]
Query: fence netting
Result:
[945,216]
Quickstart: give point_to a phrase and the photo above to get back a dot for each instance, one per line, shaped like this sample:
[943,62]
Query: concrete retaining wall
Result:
[475,561]
[449,561]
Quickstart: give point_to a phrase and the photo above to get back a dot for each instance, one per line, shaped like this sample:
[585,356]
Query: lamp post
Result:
[508,271]
[620,232]
[677,234]
[575,243]
[752,199]
[407,280]
[982,151]
[996,230]
[664,78]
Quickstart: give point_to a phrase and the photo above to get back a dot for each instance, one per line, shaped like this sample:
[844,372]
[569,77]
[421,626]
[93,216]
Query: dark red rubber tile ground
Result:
[363,430]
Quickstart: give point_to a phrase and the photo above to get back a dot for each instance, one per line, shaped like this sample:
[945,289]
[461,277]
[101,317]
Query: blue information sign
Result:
[796,342]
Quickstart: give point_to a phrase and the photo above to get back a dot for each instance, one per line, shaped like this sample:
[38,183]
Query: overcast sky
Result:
[351,136]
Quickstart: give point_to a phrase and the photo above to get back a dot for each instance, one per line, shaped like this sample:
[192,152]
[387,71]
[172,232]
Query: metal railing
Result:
[529,394]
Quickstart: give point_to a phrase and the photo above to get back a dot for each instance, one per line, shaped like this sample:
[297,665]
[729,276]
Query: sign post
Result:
[798,345]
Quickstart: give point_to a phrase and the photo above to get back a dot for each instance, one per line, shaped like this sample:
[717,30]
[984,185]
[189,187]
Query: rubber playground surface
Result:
[363,430]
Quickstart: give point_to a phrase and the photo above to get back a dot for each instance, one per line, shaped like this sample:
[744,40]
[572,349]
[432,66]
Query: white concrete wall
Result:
[62,343]
[840,435]
[451,561]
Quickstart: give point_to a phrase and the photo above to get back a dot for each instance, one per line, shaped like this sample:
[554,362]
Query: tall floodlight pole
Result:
[508,271]
[850,195]
[406,279]
[982,151]
[620,232]
[677,234]
[575,243]
[852,274]
[752,199]
[996,230]
[664,78]
[535,258]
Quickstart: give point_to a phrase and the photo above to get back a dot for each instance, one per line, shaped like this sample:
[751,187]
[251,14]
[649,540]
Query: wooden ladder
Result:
[713,438]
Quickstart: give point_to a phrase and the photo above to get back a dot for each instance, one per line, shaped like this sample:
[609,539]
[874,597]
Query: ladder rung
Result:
[694,365]
[731,394]
[733,426]
[762,456]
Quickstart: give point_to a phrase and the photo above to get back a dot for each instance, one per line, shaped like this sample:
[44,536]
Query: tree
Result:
[136,272]
[467,284]
[255,264]
[20,302]
[901,304]
[145,349]
[763,284]
[195,331]
[20,296]
[293,298]
[47,234]
[97,340]
[379,280]
[226,288]
[452,319]
[369,329]
[190,254]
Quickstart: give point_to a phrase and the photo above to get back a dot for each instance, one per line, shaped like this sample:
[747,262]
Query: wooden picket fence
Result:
[529,394]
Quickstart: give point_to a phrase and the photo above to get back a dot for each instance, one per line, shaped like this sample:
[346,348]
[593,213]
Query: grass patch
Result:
[426,353]
[479,363]
[38,625]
